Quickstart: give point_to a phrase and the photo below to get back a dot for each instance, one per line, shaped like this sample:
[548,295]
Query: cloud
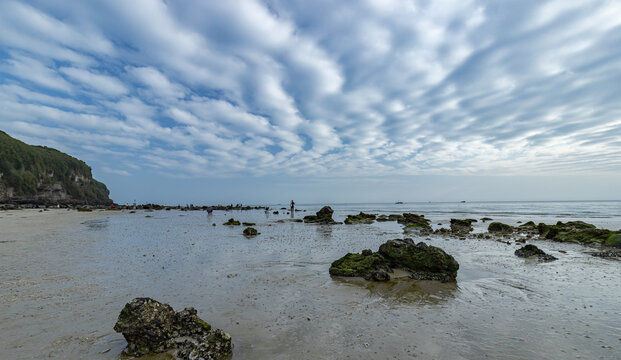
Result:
[253,88]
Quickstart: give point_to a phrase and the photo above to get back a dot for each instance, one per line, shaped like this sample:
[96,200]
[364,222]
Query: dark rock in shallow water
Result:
[391,217]
[531,250]
[422,261]
[232,222]
[153,327]
[579,232]
[250,231]
[462,226]
[377,275]
[323,216]
[499,227]
[484,219]
[248,224]
[361,218]
[414,222]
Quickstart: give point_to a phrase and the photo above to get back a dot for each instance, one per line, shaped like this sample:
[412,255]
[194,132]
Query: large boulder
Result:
[425,262]
[153,327]
[498,227]
[422,261]
[323,216]
[462,226]
[530,250]
[361,218]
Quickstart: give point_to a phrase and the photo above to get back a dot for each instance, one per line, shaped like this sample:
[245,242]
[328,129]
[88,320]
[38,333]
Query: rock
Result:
[232,222]
[359,264]
[579,232]
[391,217]
[248,224]
[531,250]
[607,254]
[423,261]
[323,216]
[377,275]
[361,218]
[498,227]
[414,221]
[153,327]
[528,225]
[484,219]
[250,231]
[462,226]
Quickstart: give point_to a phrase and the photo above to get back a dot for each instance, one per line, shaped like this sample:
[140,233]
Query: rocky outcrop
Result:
[414,222]
[579,232]
[421,261]
[462,226]
[153,327]
[498,227]
[323,216]
[361,218]
[232,222]
[250,231]
[42,175]
[529,250]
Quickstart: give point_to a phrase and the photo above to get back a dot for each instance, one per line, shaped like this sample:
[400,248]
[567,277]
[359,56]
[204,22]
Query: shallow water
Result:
[62,288]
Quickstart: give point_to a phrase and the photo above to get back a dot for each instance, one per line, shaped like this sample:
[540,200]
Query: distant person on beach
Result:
[292,206]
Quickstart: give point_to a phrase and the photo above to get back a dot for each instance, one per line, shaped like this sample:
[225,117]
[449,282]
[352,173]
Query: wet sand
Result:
[64,277]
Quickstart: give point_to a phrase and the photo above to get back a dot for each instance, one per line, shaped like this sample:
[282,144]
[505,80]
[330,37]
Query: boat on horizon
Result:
[399,202]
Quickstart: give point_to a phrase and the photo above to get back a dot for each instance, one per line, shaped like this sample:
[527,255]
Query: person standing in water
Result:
[292,208]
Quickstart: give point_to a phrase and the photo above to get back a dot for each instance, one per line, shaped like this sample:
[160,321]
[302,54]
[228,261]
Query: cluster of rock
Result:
[421,261]
[323,216]
[361,218]
[153,327]
[414,222]
[530,250]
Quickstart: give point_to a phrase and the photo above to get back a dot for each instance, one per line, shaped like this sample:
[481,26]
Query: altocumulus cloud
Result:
[338,88]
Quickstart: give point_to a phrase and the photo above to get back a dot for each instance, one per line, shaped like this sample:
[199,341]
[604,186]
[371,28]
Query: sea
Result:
[62,286]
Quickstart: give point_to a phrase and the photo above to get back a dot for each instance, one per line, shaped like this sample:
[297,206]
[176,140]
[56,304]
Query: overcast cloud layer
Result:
[317,88]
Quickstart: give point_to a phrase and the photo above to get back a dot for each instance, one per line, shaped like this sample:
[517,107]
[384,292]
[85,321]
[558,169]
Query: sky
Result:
[249,101]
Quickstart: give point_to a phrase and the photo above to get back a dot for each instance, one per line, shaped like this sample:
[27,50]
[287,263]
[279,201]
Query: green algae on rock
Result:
[462,226]
[323,216]
[498,227]
[248,224]
[153,327]
[250,231]
[531,250]
[421,261]
[391,217]
[414,221]
[578,232]
[361,218]
[232,222]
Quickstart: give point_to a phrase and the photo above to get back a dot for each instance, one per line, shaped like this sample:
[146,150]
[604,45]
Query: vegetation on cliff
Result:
[42,174]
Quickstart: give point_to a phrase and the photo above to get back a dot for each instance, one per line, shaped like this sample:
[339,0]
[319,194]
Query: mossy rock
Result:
[250,231]
[248,224]
[498,227]
[462,225]
[422,260]
[361,218]
[614,240]
[232,222]
[531,250]
[528,225]
[414,221]
[323,216]
[391,217]
[576,232]
[359,264]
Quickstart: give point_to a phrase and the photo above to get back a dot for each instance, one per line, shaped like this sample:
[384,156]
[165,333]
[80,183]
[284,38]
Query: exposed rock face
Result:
[498,227]
[42,175]
[422,261]
[462,226]
[152,327]
[361,218]
[579,232]
[531,250]
[414,221]
[323,216]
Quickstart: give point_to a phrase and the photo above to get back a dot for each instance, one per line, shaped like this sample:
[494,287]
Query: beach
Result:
[65,276]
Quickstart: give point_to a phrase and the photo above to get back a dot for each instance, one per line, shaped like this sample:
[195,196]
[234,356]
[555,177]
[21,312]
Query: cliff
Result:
[42,175]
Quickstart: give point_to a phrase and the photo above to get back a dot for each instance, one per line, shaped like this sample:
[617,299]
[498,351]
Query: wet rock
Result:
[391,217]
[422,261]
[498,227]
[484,219]
[250,231]
[579,232]
[248,224]
[232,221]
[153,327]
[361,218]
[425,262]
[607,254]
[377,275]
[531,250]
[323,216]
[414,222]
[462,226]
